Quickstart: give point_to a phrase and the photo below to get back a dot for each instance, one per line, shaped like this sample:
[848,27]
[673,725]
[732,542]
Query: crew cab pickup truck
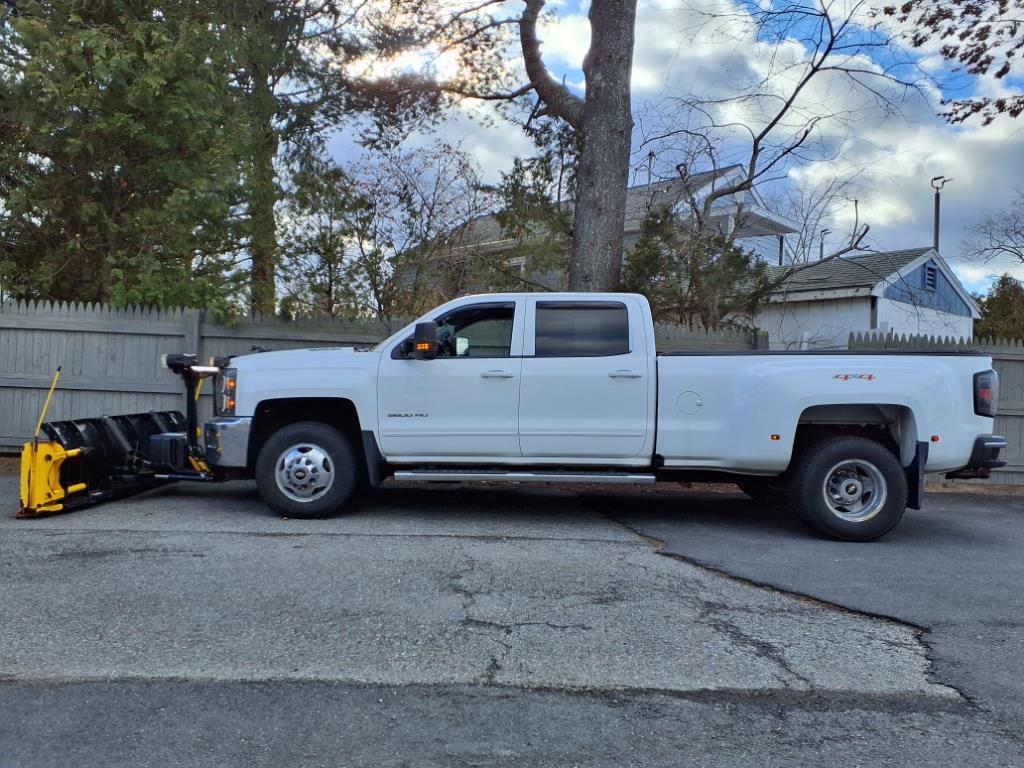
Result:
[568,388]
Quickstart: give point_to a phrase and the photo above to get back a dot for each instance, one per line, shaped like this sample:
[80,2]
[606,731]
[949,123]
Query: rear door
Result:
[587,384]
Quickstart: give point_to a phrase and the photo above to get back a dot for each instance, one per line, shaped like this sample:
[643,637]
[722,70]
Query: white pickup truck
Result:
[570,388]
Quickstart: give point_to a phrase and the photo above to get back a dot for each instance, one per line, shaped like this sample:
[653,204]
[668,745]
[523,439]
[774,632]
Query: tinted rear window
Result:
[581,330]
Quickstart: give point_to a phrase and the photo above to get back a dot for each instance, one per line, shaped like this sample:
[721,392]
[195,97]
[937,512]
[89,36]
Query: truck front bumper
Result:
[227,441]
[984,458]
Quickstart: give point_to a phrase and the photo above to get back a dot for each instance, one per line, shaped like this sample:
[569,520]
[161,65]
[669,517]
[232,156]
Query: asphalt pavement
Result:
[445,626]
[954,568]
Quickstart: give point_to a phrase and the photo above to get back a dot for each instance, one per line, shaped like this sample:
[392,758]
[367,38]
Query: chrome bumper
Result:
[227,441]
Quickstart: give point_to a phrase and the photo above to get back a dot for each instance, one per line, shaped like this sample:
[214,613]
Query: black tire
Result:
[767,490]
[848,488]
[308,459]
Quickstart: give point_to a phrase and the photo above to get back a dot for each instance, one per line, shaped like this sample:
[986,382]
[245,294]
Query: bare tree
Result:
[601,118]
[999,235]
[815,208]
[604,121]
[381,239]
[776,121]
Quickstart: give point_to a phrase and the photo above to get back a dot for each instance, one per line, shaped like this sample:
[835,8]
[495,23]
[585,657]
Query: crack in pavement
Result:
[491,610]
[919,632]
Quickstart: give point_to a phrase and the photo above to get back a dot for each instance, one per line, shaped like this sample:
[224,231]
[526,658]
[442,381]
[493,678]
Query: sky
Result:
[892,154]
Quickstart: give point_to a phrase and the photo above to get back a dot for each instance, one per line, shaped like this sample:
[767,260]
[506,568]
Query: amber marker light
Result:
[423,346]
[776,437]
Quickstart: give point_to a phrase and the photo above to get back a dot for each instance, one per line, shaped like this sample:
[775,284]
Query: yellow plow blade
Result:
[41,489]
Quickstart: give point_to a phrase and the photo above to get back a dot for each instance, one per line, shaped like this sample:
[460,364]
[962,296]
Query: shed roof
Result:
[845,272]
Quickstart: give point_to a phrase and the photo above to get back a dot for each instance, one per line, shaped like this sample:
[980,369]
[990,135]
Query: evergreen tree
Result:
[119,175]
[1002,310]
[693,278]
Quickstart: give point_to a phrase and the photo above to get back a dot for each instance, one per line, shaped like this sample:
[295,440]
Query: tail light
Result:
[986,393]
[226,384]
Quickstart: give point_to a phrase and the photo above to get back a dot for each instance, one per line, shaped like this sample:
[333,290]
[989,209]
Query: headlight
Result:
[226,384]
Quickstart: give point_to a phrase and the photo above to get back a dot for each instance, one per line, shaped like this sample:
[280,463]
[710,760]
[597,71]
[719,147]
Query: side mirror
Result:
[424,341]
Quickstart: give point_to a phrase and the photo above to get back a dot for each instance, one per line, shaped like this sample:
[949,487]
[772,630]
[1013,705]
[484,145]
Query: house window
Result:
[931,277]
[517,266]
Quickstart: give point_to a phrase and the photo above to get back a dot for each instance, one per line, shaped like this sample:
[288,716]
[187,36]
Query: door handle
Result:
[624,374]
[497,374]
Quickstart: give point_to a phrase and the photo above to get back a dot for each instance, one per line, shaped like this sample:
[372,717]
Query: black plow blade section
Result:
[116,460]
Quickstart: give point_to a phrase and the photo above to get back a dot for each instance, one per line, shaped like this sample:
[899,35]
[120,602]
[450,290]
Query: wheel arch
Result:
[271,415]
[892,425]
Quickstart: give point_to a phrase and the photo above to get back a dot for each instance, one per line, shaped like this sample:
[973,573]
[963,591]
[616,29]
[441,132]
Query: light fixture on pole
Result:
[938,182]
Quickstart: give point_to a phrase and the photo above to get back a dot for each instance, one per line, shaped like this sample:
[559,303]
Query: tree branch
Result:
[559,101]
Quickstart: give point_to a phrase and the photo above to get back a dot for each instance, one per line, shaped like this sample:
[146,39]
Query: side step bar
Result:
[484,475]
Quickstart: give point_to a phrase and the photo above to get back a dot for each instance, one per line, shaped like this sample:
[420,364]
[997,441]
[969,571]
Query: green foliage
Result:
[324,256]
[535,211]
[1002,310]
[144,142]
[119,178]
[694,279]
[382,238]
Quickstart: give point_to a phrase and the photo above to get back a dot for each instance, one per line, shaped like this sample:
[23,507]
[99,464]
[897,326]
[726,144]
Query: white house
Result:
[744,215]
[905,292]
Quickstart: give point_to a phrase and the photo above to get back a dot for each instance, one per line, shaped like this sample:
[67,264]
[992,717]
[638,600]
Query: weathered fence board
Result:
[110,358]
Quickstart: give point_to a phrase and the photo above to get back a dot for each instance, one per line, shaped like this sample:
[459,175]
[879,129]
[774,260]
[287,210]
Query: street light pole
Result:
[937,184]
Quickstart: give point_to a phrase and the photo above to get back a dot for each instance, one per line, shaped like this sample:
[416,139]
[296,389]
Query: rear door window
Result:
[581,329]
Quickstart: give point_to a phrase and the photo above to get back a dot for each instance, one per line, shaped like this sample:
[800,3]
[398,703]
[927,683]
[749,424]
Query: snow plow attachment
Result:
[88,460]
[74,463]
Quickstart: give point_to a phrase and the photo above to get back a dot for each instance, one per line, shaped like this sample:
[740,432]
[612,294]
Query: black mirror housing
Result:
[424,344]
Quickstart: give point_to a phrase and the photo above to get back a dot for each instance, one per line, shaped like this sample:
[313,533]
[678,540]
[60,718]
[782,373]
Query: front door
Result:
[464,403]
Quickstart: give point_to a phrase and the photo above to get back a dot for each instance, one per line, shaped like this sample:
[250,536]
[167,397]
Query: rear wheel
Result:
[849,488]
[307,470]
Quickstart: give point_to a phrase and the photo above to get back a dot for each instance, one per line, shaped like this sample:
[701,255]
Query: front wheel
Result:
[306,470]
[849,488]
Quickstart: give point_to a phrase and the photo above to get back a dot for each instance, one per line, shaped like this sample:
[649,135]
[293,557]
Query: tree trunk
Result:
[606,132]
[262,199]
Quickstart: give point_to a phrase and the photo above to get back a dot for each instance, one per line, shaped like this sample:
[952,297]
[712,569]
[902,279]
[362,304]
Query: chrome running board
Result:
[484,475]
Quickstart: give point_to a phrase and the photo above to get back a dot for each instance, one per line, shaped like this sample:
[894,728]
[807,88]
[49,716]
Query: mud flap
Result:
[915,476]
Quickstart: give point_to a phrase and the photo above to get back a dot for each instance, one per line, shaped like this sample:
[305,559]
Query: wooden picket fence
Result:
[110,358]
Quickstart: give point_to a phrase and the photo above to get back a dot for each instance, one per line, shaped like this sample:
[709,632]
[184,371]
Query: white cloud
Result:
[977,277]
[679,52]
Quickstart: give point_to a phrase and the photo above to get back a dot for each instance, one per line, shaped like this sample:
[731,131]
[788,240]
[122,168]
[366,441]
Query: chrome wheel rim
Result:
[304,472]
[854,490]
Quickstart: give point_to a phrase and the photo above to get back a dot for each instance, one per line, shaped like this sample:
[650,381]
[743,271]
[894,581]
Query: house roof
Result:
[640,201]
[845,272]
[868,274]
[645,198]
